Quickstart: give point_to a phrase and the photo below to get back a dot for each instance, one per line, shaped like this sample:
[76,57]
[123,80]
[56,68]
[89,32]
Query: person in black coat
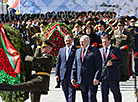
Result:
[110,77]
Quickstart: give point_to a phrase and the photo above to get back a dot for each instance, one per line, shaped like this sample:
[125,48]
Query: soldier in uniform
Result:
[123,39]
[101,30]
[39,84]
[135,38]
[77,32]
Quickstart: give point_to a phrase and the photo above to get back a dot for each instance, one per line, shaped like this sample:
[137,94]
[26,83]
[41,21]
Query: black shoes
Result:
[58,84]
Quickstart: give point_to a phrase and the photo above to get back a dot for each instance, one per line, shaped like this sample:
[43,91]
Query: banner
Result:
[13,3]
[11,52]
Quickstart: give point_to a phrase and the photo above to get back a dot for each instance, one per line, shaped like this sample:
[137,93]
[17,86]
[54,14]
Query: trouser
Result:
[115,89]
[124,67]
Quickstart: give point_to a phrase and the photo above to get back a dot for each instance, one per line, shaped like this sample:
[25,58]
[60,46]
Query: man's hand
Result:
[57,78]
[122,48]
[27,57]
[95,82]
[73,81]
[109,63]
[135,32]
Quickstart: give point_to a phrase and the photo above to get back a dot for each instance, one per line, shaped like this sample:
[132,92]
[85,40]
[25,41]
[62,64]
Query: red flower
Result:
[136,55]
[95,44]
[126,47]
[105,67]
[75,85]
[113,56]
[5,64]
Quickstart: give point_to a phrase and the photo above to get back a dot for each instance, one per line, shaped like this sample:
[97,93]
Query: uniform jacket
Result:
[119,40]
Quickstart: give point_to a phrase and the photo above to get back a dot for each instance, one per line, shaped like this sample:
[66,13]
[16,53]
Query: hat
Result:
[105,34]
[100,23]
[121,23]
[41,25]
[36,36]
[46,42]
[133,19]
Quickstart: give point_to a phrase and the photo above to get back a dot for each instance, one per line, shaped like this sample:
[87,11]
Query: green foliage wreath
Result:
[17,41]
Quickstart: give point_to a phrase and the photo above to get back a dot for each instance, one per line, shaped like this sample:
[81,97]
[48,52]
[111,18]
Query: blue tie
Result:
[68,51]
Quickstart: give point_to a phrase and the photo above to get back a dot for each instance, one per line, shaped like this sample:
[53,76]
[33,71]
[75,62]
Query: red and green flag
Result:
[12,55]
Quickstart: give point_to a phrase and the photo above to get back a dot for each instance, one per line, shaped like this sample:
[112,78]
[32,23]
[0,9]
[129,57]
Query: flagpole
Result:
[19,6]
[2,6]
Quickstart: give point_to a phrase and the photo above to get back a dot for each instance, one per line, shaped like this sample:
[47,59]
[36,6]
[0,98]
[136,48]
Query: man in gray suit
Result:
[64,67]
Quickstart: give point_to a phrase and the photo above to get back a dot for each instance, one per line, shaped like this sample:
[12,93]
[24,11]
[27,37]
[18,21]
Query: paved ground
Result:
[56,95]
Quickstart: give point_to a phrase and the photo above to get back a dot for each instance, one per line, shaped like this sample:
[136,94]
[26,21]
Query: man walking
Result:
[64,67]
[86,67]
[111,75]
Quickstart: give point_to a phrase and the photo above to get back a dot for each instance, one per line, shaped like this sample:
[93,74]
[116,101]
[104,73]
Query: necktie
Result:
[105,54]
[68,53]
[83,52]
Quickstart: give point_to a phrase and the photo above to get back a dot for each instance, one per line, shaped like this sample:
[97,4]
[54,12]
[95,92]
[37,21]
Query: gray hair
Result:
[67,37]
[86,37]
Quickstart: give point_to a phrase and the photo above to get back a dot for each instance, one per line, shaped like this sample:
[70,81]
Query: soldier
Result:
[39,84]
[101,29]
[135,38]
[77,32]
[123,39]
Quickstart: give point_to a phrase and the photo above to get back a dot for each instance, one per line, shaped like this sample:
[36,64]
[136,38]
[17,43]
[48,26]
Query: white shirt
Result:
[108,50]
[102,54]
[67,53]
[86,50]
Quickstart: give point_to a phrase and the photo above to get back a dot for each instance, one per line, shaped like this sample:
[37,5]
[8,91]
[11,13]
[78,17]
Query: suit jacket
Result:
[84,72]
[112,72]
[63,66]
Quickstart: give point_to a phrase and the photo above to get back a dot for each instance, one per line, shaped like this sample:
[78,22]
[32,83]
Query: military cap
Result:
[46,42]
[127,18]
[100,23]
[133,19]
[41,25]
[78,23]
[36,36]
[121,23]
[105,35]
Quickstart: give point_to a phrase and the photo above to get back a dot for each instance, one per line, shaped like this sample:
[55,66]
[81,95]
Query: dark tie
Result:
[82,57]
[105,54]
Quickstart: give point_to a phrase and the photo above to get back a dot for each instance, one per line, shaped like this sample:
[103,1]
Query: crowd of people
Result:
[91,56]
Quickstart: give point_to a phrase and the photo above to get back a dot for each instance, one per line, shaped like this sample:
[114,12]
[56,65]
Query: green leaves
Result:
[18,42]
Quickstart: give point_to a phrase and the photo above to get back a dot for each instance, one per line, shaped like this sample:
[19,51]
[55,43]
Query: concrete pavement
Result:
[56,94]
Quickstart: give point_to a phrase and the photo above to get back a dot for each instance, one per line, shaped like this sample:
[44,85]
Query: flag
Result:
[5,1]
[13,3]
[12,54]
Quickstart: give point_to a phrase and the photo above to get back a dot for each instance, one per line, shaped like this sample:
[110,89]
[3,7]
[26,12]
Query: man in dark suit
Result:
[39,84]
[64,67]
[111,76]
[86,67]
